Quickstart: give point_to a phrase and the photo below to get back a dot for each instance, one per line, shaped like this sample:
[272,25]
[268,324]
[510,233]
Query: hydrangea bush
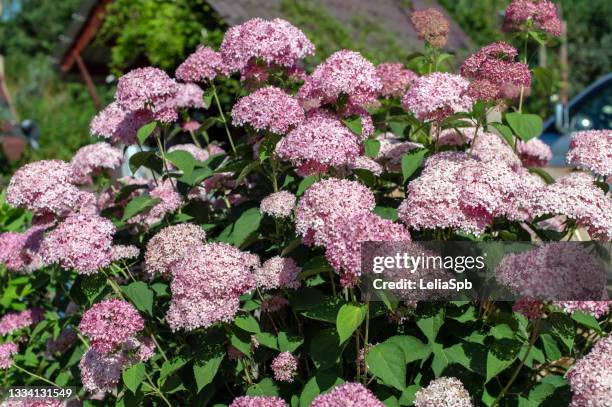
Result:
[229,275]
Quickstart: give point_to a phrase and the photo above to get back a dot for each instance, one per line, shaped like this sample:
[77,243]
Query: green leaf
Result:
[247,223]
[268,340]
[305,183]
[550,347]
[171,366]
[387,362]
[325,349]
[141,295]
[563,328]
[242,346]
[289,343]
[247,170]
[145,131]
[137,205]
[267,147]
[147,159]
[196,176]
[496,365]
[350,317]
[133,375]
[398,128]
[431,325]
[205,371]
[183,160]
[208,97]
[525,125]
[265,387]
[413,348]
[587,320]
[407,398]
[354,125]
[505,132]
[386,213]
[318,384]
[372,147]
[440,359]
[247,323]
[315,265]
[411,161]
[544,76]
[542,174]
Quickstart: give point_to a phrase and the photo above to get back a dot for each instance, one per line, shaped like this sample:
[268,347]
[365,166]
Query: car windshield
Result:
[594,112]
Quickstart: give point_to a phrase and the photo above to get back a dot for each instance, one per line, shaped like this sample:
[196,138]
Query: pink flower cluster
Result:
[325,203]
[284,367]
[269,109]
[279,204]
[207,286]
[344,245]
[431,26]
[530,308]
[83,243]
[489,147]
[443,391]
[46,188]
[169,246]
[14,321]
[7,350]
[279,272]
[457,192]
[275,42]
[188,95]
[343,73]
[437,96]
[147,88]
[592,150]
[19,252]
[555,271]
[93,157]
[100,372]
[201,66]
[456,137]
[110,323]
[541,13]
[169,201]
[534,153]
[590,378]
[320,142]
[495,65]
[347,394]
[395,79]
[574,196]
[258,401]
[119,125]
[595,308]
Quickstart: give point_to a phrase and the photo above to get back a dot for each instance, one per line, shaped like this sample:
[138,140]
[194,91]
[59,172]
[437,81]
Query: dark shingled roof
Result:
[394,16]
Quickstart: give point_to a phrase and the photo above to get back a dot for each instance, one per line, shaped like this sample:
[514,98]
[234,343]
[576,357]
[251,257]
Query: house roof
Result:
[394,13]
[79,36]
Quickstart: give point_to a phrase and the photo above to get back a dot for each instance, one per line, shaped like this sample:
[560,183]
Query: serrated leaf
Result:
[411,161]
[525,125]
[387,362]
[350,317]
[133,376]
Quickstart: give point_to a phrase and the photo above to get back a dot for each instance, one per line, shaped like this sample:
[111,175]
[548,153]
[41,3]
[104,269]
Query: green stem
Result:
[157,390]
[522,95]
[223,119]
[36,376]
[163,154]
[534,337]
[194,138]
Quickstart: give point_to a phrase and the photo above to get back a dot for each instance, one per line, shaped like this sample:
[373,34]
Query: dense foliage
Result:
[227,273]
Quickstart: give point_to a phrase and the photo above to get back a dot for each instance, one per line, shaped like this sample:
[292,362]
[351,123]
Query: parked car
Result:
[591,109]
